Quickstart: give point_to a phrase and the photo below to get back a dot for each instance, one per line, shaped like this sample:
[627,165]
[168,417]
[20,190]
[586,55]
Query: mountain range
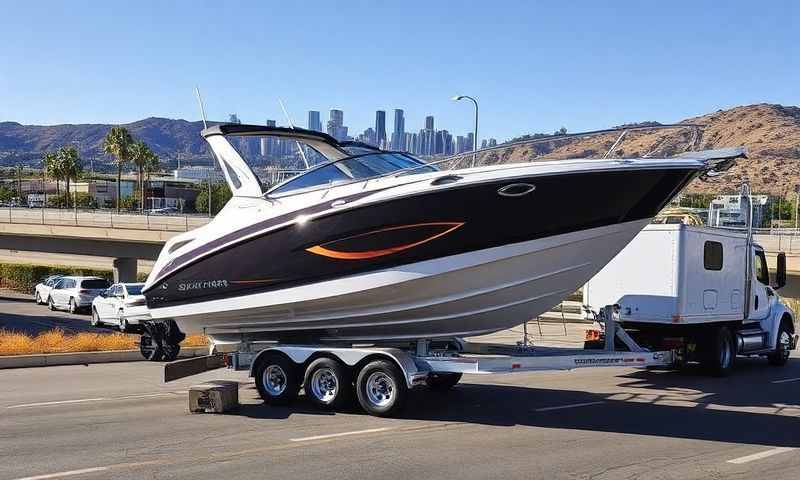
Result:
[770,132]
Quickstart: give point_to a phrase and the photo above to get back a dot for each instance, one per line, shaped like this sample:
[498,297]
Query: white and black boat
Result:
[372,246]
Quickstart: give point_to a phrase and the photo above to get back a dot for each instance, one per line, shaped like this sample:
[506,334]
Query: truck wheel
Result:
[149,348]
[782,351]
[443,381]
[720,354]
[381,388]
[327,383]
[277,379]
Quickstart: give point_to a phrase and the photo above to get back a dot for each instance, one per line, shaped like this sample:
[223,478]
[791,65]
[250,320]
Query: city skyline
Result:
[427,141]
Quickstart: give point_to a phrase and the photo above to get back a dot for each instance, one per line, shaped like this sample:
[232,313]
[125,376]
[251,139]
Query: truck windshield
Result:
[359,167]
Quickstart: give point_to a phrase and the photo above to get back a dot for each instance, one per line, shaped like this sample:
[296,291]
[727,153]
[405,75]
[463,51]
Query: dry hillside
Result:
[771,134]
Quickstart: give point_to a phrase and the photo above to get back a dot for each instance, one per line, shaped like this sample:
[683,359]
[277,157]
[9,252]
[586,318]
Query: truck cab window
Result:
[762,273]
[712,256]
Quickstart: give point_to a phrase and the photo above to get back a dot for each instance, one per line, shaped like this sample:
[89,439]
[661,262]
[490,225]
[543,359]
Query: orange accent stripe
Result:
[320,250]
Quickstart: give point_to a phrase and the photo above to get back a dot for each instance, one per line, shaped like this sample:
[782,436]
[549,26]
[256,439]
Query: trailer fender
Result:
[351,357]
[778,313]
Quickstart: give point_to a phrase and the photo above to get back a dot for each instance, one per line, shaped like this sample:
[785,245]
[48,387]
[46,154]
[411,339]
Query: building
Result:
[336,128]
[380,128]
[492,142]
[470,140]
[726,211]
[198,174]
[484,143]
[398,136]
[461,144]
[233,118]
[314,122]
[429,122]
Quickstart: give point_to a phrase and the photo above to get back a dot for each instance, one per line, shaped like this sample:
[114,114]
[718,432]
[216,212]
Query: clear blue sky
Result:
[534,66]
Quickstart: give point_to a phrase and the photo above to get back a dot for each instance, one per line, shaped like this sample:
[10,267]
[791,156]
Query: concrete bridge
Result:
[125,238]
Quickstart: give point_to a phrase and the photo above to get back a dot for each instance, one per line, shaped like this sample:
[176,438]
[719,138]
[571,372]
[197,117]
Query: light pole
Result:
[474,140]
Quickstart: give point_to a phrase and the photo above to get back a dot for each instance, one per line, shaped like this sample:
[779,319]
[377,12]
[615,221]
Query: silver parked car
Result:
[122,305]
[75,293]
[42,291]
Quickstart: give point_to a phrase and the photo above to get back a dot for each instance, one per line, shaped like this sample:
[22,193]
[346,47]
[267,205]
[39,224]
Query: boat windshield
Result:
[355,168]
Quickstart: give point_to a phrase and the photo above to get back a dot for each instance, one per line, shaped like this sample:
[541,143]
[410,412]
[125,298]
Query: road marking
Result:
[787,380]
[60,402]
[65,474]
[759,456]
[343,434]
[98,399]
[563,407]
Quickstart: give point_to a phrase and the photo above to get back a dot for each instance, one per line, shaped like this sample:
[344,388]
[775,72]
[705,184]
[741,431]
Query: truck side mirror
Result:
[780,273]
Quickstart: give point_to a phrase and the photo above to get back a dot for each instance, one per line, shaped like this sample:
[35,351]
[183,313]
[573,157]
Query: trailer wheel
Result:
[327,383]
[720,354]
[782,350]
[277,379]
[149,348]
[381,388]
[443,381]
[171,351]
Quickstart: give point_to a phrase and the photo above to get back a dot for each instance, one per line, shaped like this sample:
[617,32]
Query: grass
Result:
[56,341]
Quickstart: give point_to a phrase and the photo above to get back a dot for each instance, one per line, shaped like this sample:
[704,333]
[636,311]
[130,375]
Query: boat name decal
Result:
[202,285]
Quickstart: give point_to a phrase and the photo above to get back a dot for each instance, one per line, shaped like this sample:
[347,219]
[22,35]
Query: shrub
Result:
[24,277]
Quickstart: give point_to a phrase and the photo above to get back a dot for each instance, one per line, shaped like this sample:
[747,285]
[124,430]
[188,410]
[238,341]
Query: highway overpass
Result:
[125,238]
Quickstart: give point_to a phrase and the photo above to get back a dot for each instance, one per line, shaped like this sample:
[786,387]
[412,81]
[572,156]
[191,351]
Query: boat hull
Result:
[461,295]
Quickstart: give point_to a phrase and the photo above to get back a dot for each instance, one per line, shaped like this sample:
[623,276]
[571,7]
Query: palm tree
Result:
[151,166]
[117,143]
[140,152]
[52,168]
[71,168]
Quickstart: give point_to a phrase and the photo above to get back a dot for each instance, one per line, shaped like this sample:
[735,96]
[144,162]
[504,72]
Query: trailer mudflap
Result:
[192,366]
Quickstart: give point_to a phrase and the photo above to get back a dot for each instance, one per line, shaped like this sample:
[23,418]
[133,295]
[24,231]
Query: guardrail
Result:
[101,218]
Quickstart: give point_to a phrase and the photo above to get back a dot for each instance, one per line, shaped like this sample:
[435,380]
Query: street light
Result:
[474,140]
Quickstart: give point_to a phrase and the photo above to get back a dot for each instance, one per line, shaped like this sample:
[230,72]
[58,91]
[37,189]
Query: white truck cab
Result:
[707,289]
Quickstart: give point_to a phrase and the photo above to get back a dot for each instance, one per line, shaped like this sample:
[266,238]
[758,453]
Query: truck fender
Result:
[777,313]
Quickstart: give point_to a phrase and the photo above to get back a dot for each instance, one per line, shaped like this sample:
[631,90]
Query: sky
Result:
[532,66]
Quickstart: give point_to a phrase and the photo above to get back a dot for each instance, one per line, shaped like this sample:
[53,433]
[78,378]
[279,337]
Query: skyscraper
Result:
[314,122]
[233,118]
[336,128]
[429,122]
[398,136]
[380,128]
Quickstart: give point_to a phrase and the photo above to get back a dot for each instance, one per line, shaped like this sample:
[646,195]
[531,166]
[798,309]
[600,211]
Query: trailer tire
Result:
[277,379]
[171,351]
[782,350]
[328,383]
[149,347]
[440,382]
[720,355]
[381,388]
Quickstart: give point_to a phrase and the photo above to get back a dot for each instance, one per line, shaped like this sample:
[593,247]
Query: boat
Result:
[378,246]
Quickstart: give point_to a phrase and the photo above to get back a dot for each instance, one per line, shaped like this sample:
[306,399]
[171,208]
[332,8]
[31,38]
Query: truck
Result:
[700,291]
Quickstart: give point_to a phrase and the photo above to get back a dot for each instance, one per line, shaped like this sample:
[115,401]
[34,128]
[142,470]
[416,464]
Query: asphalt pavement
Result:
[121,421]
[19,313]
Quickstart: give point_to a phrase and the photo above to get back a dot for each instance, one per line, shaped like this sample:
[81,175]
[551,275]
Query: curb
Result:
[85,358]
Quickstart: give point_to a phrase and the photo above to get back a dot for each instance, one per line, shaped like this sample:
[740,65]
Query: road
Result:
[120,421]
[19,313]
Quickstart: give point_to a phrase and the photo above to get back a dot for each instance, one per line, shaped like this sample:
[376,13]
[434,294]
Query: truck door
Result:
[759,302]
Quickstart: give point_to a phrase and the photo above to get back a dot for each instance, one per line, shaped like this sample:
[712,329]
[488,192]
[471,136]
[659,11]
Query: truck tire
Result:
[277,379]
[444,381]
[720,352]
[328,383]
[381,388]
[782,351]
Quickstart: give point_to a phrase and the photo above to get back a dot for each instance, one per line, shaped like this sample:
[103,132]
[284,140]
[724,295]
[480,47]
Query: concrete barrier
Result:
[85,358]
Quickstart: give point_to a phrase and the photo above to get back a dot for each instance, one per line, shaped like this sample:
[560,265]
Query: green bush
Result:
[24,277]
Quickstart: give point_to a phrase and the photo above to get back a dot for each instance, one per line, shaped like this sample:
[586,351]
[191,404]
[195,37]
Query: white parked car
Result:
[123,305]
[75,293]
[42,291]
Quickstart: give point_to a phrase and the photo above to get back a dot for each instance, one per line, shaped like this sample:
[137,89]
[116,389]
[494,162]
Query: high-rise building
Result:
[470,140]
[492,142]
[336,128]
[233,118]
[380,128]
[484,143]
[429,122]
[314,122]
[460,144]
[268,144]
[398,136]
